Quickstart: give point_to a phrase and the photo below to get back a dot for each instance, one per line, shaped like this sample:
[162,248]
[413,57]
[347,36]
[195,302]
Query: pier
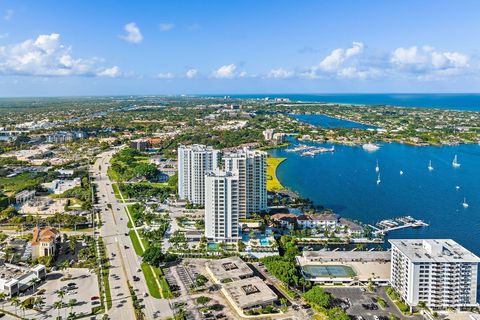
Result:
[385,226]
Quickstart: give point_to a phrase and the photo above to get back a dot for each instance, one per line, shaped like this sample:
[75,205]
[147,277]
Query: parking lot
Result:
[361,303]
[79,284]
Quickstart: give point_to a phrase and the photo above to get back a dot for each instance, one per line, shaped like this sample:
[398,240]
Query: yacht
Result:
[377,168]
[378,178]
[401,172]
[455,163]
[457,187]
[430,167]
[465,204]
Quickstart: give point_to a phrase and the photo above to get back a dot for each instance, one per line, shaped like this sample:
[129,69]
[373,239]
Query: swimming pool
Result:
[330,271]
[264,242]
[212,246]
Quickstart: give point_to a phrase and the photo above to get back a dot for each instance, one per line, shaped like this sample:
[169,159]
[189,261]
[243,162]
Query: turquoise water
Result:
[263,241]
[345,181]
[455,101]
[212,246]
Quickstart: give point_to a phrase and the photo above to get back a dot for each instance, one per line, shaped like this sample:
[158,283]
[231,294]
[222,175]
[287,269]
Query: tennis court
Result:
[311,271]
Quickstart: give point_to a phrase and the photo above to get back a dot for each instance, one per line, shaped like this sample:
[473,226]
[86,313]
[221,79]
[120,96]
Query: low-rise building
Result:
[228,269]
[44,242]
[315,221]
[24,196]
[15,279]
[59,186]
[345,267]
[247,294]
[439,272]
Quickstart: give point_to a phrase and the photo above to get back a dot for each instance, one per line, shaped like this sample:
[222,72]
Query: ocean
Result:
[453,101]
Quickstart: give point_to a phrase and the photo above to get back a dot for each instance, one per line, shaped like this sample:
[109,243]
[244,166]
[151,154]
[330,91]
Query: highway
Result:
[124,261]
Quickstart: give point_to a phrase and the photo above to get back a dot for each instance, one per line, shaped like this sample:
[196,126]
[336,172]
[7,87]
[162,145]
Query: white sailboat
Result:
[465,204]
[378,178]
[455,163]
[430,167]
[377,168]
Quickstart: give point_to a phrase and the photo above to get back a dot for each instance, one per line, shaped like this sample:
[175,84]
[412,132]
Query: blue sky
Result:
[171,47]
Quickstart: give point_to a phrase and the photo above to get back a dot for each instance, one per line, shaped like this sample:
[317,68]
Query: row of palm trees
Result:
[37,302]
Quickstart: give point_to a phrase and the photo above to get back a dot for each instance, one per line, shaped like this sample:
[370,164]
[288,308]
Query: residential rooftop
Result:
[434,250]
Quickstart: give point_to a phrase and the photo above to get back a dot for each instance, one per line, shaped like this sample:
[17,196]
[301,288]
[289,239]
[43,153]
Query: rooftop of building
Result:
[249,292]
[10,272]
[319,217]
[196,147]
[46,234]
[345,265]
[345,256]
[229,268]
[434,250]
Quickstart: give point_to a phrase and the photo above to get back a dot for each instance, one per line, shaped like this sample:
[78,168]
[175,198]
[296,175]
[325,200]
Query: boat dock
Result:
[385,226]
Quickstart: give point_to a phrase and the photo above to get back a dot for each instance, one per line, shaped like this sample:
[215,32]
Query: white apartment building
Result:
[441,273]
[222,206]
[194,161]
[251,166]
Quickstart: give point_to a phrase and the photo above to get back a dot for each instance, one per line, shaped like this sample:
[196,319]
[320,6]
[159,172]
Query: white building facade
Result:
[222,206]
[441,273]
[194,161]
[251,167]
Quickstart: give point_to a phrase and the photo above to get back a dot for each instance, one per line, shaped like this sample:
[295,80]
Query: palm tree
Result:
[72,315]
[15,302]
[38,301]
[60,294]
[71,304]
[3,295]
[24,306]
[58,305]
[33,282]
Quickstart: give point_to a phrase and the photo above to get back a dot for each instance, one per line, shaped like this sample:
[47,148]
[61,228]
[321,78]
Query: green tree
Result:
[202,300]
[317,296]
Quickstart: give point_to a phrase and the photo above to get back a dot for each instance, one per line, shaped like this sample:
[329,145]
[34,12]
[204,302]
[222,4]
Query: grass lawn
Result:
[136,243]
[166,293]
[151,282]
[26,180]
[116,191]
[273,183]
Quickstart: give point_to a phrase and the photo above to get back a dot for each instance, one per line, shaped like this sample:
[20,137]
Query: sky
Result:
[64,48]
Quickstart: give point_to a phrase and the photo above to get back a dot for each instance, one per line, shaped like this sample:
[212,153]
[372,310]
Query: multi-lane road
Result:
[124,262]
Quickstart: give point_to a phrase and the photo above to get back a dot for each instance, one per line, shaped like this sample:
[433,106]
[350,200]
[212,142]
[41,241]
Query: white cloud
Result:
[335,60]
[113,72]
[344,63]
[166,26]
[8,15]
[191,73]
[227,71]
[167,75]
[46,56]
[280,73]
[428,63]
[132,33]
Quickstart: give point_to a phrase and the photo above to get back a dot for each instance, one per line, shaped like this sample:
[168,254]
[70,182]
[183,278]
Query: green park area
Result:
[273,184]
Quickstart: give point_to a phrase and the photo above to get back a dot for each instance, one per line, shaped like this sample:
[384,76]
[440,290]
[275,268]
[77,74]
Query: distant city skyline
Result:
[88,48]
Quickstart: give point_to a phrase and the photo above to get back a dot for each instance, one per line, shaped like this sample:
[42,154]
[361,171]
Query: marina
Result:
[311,151]
[385,226]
